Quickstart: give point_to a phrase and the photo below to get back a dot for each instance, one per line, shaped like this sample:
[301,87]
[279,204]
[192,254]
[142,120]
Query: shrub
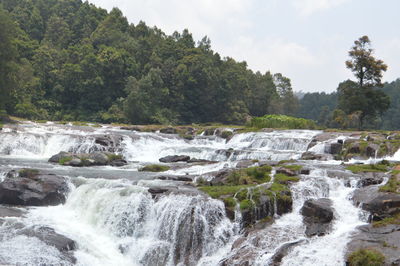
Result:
[281,121]
[366,257]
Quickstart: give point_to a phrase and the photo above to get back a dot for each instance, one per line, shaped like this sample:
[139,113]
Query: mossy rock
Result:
[363,168]
[28,172]
[154,168]
[366,257]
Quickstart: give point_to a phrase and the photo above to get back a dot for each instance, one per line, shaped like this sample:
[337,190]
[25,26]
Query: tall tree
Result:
[7,57]
[363,97]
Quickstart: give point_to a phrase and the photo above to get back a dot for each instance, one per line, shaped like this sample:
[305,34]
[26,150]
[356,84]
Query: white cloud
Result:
[308,7]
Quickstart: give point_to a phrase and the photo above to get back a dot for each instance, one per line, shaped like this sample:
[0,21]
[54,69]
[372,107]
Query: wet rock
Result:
[168,130]
[99,158]
[317,216]
[176,178]
[39,190]
[286,171]
[11,212]
[283,251]
[385,239]
[335,148]
[369,179]
[372,150]
[75,162]
[59,156]
[383,206]
[64,244]
[245,163]
[308,155]
[305,171]
[200,161]
[174,158]
[118,162]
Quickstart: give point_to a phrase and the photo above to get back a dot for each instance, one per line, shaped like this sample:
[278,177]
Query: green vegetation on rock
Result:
[360,168]
[387,221]
[28,172]
[284,179]
[366,257]
[252,175]
[393,184]
[154,168]
[65,160]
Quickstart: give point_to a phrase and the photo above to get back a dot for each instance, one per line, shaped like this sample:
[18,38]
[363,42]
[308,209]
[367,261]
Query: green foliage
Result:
[281,121]
[366,257]
[226,134]
[293,167]
[218,191]
[113,157]
[387,221]
[65,160]
[359,168]
[246,204]
[284,179]
[393,184]
[252,175]
[154,168]
[28,172]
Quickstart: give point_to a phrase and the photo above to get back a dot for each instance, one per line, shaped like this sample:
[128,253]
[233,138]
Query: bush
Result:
[281,121]
[366,257]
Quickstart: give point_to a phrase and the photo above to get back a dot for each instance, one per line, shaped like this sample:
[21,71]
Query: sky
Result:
[305,40]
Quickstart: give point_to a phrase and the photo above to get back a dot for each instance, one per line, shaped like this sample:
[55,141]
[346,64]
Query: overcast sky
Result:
[305,40]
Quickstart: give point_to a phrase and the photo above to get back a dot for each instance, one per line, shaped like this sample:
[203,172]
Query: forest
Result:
[70,60]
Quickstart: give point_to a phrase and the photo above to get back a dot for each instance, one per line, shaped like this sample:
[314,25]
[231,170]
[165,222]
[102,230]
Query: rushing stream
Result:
[114,220]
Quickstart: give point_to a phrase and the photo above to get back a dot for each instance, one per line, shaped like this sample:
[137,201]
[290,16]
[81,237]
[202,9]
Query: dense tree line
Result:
[70,60]
[322,107]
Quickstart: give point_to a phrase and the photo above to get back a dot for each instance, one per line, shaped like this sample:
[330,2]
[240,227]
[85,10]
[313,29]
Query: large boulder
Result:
[174,158]
[335,148]
[99,158]
[34,190]
[59,157]
[63,244]
[384,239]
[383,206]
[317,216]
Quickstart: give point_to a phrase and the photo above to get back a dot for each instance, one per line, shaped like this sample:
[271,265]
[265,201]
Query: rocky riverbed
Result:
[196,196]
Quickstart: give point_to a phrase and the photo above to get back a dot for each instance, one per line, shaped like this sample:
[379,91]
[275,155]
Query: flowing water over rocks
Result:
[121,216]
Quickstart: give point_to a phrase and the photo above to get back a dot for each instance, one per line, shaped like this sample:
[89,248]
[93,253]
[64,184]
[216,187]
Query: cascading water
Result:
[118,222]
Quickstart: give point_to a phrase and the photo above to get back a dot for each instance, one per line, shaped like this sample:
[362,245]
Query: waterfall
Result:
[114,221]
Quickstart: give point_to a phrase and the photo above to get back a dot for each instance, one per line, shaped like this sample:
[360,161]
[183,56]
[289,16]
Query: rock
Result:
[335,148]
[59,156]
[168,130]
[176,178]
[286,171]
[308,155]
[109,142]
[305,171]
[75,162]
[245,163]
[99,158]
[200,161]
[64,244]
[383,206]
[11,212]
[369,179]
[317,215]
[385,239]
[174,158]
[40,190]
[371,150]
[118,162]
[283,251]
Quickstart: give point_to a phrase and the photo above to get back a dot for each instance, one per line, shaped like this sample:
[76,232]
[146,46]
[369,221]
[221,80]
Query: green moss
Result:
[246,204]
[286,161]
[284,179]
[279,188]
[113,157]
[366,257]
[293,167]
[359,168]
[387,221]
[28,172]
[251,175]
[218,191]
[154,168]
[229,202]
[393,185]
[65,160]
[226,134]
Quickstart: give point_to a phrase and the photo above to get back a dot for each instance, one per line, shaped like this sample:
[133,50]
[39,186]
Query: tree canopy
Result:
[76,61]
